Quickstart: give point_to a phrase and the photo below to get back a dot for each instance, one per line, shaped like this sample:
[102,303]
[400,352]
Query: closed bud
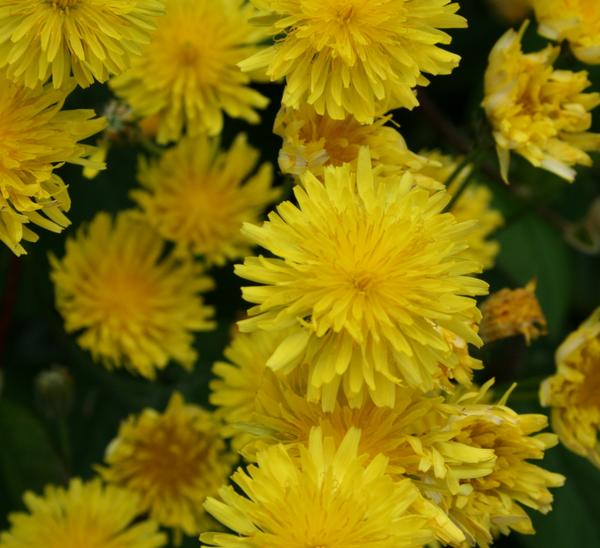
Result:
[54,392]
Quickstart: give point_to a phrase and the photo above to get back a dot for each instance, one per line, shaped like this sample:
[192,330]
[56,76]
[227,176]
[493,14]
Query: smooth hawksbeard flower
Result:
[89,39]
[573,393]
[325,497]
[198,197]
[172,460]
[474,204]
[83,514]
[492,504]
[188,75]
[134,306]
[536,111]
[38,137]
[355,57]
[365,273]
[577,21]
[312,142]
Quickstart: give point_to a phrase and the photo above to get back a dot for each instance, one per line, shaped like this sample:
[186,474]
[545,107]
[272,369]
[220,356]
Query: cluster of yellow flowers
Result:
[348,387]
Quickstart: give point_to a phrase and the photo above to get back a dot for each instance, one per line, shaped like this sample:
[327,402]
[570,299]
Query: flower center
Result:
[345,13]
[64,4]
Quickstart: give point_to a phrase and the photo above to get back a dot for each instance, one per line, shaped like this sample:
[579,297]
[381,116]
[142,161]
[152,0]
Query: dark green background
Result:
[568,288]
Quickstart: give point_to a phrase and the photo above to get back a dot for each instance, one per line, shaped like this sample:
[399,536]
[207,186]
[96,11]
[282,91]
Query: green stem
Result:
[64,442]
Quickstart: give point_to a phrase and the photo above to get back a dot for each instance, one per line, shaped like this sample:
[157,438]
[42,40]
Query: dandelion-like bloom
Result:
[312,142]
[365,274]
[326,497]
[474,204]
[83,514]
[188,75]
[536,111]
[489,505]
[511,312]
[577,21]
[37,137]
[355,57]
[172,460]
[573,391]
[198,197]
[134,306]
[88,39]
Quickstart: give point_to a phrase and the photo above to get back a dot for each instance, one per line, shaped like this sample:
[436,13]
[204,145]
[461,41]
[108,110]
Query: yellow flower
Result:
[84,514]
[511,312]
[492,504]
[577,21]
[198,196]
[172,460]
[572,393]
[365,274]
[312,142]
[37,137]
[474,204]
[326,497]
[89,39]
[536,111]
[134,306]
[512,11]
[188,75]
[355,57]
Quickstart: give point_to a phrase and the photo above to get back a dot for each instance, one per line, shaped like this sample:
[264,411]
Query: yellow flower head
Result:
[573,392]
[324,497]
[188,74]
[172,460]
[536,111]
[512,11]
[312,142]
[491,504]
[577,21]
[365,273]
[89,39]
[511,312]
[474,204]
[353,56]
[37,137]
[198,196]
[84,514]
[134,306]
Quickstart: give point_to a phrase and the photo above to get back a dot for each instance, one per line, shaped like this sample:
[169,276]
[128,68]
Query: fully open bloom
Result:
[198,196]
[577,21]
[89,39]
[573,393]
[474,204]
[353,56]
[188,76]
[172,460]
[326,497]
[37,137]
[536,111]
[83,514]
[365,274]
[133,306]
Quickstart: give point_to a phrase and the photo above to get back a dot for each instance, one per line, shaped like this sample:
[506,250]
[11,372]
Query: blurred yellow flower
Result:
[88,39]
[572,393]
[536,111]
[38,137]
[326,497]
[188,76]
[134,306]
[312,142]
[474,204]
[83,514]
[172,461]
[577,21]
[365,273]
[511,312]
[355,57]
[198,196]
